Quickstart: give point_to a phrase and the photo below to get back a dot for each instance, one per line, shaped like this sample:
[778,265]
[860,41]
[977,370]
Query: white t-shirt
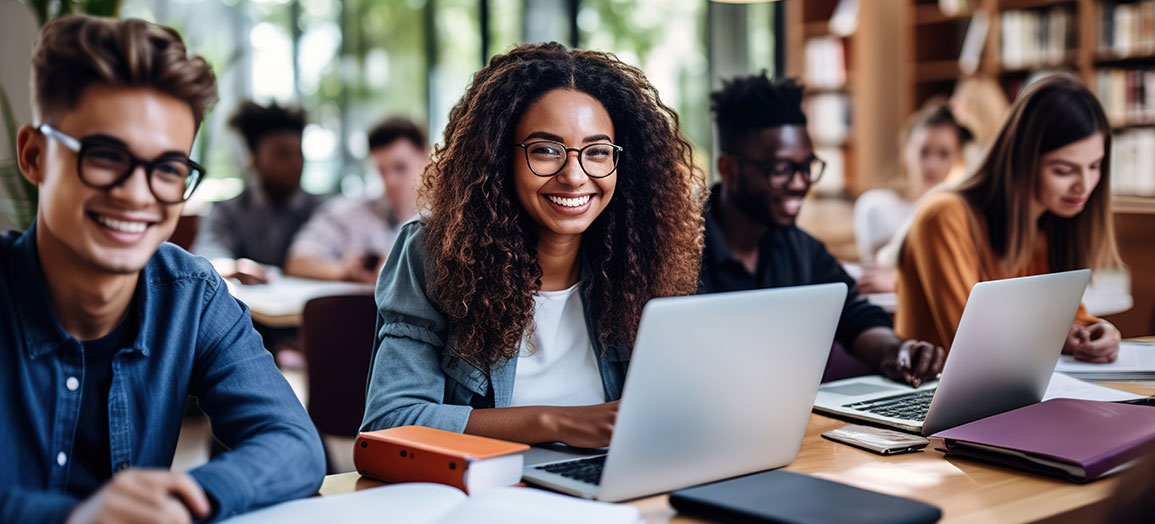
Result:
[562,369]
[879,214]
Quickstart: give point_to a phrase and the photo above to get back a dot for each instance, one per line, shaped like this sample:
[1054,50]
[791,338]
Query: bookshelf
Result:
[1109,44]
[850,99]
[841,96]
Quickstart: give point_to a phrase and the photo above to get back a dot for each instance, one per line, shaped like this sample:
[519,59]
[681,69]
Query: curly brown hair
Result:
[481,246]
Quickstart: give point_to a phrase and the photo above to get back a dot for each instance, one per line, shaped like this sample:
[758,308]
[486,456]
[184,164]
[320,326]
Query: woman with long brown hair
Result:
[1038,203]
[563,199]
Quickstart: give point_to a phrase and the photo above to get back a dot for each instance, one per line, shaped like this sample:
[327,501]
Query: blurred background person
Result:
[350,239]
[932,144]
[244,234]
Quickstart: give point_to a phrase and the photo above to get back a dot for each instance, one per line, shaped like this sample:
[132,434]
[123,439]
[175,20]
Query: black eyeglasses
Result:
[172,178]
[779,172]
[547,158]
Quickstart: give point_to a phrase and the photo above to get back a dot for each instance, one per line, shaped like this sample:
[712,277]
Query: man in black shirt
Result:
[767,165]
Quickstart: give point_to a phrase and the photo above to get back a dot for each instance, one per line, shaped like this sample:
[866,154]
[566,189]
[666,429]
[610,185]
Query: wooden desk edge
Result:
[656,509]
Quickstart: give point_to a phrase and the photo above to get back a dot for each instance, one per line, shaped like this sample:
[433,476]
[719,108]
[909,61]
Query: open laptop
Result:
[1004,352]
[719,385]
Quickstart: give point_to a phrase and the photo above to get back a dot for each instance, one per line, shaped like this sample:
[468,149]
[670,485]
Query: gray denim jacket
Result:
[415,380]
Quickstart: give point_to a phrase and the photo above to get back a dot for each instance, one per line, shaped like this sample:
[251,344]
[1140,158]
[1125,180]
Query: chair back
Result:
[185,232]
[337,332]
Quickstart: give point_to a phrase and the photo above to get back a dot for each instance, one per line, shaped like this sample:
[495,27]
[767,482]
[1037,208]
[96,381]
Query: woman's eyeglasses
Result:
[547,158]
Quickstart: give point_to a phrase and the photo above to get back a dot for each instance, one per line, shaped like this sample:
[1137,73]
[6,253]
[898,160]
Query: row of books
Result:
[1037,38]
[825,63]
[1128,95]
[829,117]
[1133,162]
[1127,29]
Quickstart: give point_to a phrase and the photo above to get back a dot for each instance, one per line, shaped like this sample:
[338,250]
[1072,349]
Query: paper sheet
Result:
[1065,386]
[1134,357]
[415,503]
[422,503]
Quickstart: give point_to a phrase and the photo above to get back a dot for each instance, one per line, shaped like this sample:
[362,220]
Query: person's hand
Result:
[913,362]
[1095,343]
[877,279]
[249,272]
[356,268]
[145,497]
[587,426]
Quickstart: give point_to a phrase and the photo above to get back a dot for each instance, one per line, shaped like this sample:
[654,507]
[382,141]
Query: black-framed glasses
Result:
[547,158]
[779,172]
[172,178]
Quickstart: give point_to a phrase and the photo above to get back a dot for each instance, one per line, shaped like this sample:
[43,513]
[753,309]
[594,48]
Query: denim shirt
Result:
[194,339]
[415,380]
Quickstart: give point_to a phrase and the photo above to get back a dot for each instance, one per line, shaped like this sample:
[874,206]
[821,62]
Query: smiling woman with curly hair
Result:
[563,199]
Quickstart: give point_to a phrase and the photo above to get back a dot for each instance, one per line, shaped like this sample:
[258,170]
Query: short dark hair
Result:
[254,121]
[73,52]
[746,104]
[396,128]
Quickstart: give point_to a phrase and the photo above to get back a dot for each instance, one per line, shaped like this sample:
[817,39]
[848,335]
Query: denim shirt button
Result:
[61,458]
[72,384]
[122,466]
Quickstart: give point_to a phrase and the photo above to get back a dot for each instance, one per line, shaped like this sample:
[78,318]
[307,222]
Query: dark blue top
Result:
[787,256]
[192,338]
[91,460]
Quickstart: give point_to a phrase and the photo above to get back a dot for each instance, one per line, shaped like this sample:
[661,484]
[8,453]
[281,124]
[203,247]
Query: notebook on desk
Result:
[793,498]
[1004,352]
[1077,440]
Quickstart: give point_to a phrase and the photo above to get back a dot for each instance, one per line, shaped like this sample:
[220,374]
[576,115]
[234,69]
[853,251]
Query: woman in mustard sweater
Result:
[1038,203]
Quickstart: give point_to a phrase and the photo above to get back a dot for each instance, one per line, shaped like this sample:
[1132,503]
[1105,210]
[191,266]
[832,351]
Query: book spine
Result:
[398,462]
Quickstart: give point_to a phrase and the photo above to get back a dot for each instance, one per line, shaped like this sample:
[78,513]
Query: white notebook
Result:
[423,503]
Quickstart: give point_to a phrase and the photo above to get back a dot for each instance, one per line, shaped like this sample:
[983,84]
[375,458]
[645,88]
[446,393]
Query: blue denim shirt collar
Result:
[43,331]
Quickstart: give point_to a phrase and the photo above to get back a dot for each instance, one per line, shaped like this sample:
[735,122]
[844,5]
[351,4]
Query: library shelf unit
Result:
[1109,44]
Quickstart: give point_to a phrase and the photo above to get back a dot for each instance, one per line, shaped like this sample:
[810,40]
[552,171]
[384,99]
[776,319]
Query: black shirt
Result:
[787,256]
[91,456]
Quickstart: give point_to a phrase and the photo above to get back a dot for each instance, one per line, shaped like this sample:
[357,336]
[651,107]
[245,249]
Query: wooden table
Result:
[280,303]
[967,491]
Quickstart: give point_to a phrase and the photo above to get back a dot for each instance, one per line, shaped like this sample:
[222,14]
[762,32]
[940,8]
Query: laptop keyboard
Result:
[908,406]
[588,470]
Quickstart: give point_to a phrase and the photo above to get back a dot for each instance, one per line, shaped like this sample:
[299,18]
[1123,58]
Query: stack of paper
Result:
[1136,362]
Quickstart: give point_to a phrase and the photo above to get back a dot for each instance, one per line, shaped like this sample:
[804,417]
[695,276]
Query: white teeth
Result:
[122,226]
[569,202]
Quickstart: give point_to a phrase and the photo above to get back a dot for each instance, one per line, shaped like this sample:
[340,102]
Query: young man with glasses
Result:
[104,329]
[767,165]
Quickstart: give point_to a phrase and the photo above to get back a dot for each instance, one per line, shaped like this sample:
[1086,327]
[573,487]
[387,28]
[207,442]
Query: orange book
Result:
[420,454]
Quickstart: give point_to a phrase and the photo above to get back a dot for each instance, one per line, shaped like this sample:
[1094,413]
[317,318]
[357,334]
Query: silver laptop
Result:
[718,386]
[1004,352]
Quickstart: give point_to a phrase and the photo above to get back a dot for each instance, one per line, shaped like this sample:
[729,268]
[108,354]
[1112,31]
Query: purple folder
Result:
[1078,440]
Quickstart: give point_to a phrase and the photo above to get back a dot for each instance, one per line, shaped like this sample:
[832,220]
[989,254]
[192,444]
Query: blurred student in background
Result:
[1039,203]
[932,144]
[243,235]
[563,200]
[350,239]
[767,166]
